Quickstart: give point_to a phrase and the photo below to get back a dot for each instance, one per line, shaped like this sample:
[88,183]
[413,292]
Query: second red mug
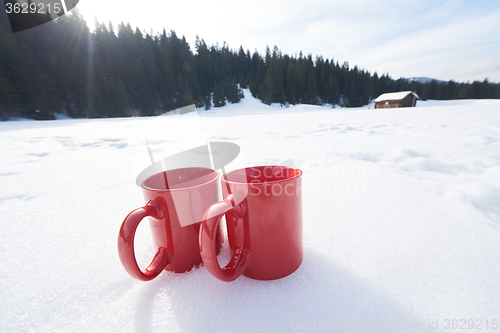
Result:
[263,209]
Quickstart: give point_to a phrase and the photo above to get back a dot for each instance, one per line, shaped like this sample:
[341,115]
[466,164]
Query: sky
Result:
[446,40]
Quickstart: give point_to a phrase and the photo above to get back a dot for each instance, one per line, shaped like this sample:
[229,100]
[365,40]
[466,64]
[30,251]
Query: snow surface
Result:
[401,221]
[395,96]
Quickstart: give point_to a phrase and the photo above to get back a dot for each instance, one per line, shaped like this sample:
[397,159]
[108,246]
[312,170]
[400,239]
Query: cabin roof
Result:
[395,96]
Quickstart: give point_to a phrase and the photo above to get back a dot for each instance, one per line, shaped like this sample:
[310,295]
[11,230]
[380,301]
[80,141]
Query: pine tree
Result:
[8,97]
[290,94]
[429,90]
[311,96]
[232,91]
[266,89]
[463,91]
[218,96]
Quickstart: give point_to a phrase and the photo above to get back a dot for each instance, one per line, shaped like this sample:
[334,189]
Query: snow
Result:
[401,213]
[395,96]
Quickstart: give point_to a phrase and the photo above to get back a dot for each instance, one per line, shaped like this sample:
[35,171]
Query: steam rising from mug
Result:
[215,157]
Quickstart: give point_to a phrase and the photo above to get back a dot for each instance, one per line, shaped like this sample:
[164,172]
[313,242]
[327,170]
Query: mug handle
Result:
[208,243]
[126,244]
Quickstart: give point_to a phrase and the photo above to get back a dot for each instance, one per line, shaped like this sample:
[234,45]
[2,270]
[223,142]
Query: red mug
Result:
[263,209]
[175,203]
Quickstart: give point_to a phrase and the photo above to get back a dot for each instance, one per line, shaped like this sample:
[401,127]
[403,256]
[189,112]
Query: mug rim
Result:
[224,177]
[217,175]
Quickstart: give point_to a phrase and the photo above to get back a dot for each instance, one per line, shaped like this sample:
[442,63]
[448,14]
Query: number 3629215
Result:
[32,8]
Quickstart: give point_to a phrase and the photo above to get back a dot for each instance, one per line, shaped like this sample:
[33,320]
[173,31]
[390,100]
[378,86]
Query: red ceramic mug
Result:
[176,200]
[263,209]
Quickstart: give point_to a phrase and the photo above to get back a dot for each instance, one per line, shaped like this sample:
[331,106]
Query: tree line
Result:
[116,72]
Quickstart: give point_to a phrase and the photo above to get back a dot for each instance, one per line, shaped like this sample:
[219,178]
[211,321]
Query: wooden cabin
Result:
[401,99]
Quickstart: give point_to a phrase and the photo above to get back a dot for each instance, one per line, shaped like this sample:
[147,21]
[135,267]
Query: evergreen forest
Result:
[63,67]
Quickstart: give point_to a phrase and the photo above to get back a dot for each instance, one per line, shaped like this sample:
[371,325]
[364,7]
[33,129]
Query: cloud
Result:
[462,50]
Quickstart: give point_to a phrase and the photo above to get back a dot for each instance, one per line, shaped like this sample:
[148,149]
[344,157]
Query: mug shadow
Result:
[319,295]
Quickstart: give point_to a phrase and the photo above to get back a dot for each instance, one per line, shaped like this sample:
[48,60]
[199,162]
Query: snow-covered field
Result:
[401,221]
